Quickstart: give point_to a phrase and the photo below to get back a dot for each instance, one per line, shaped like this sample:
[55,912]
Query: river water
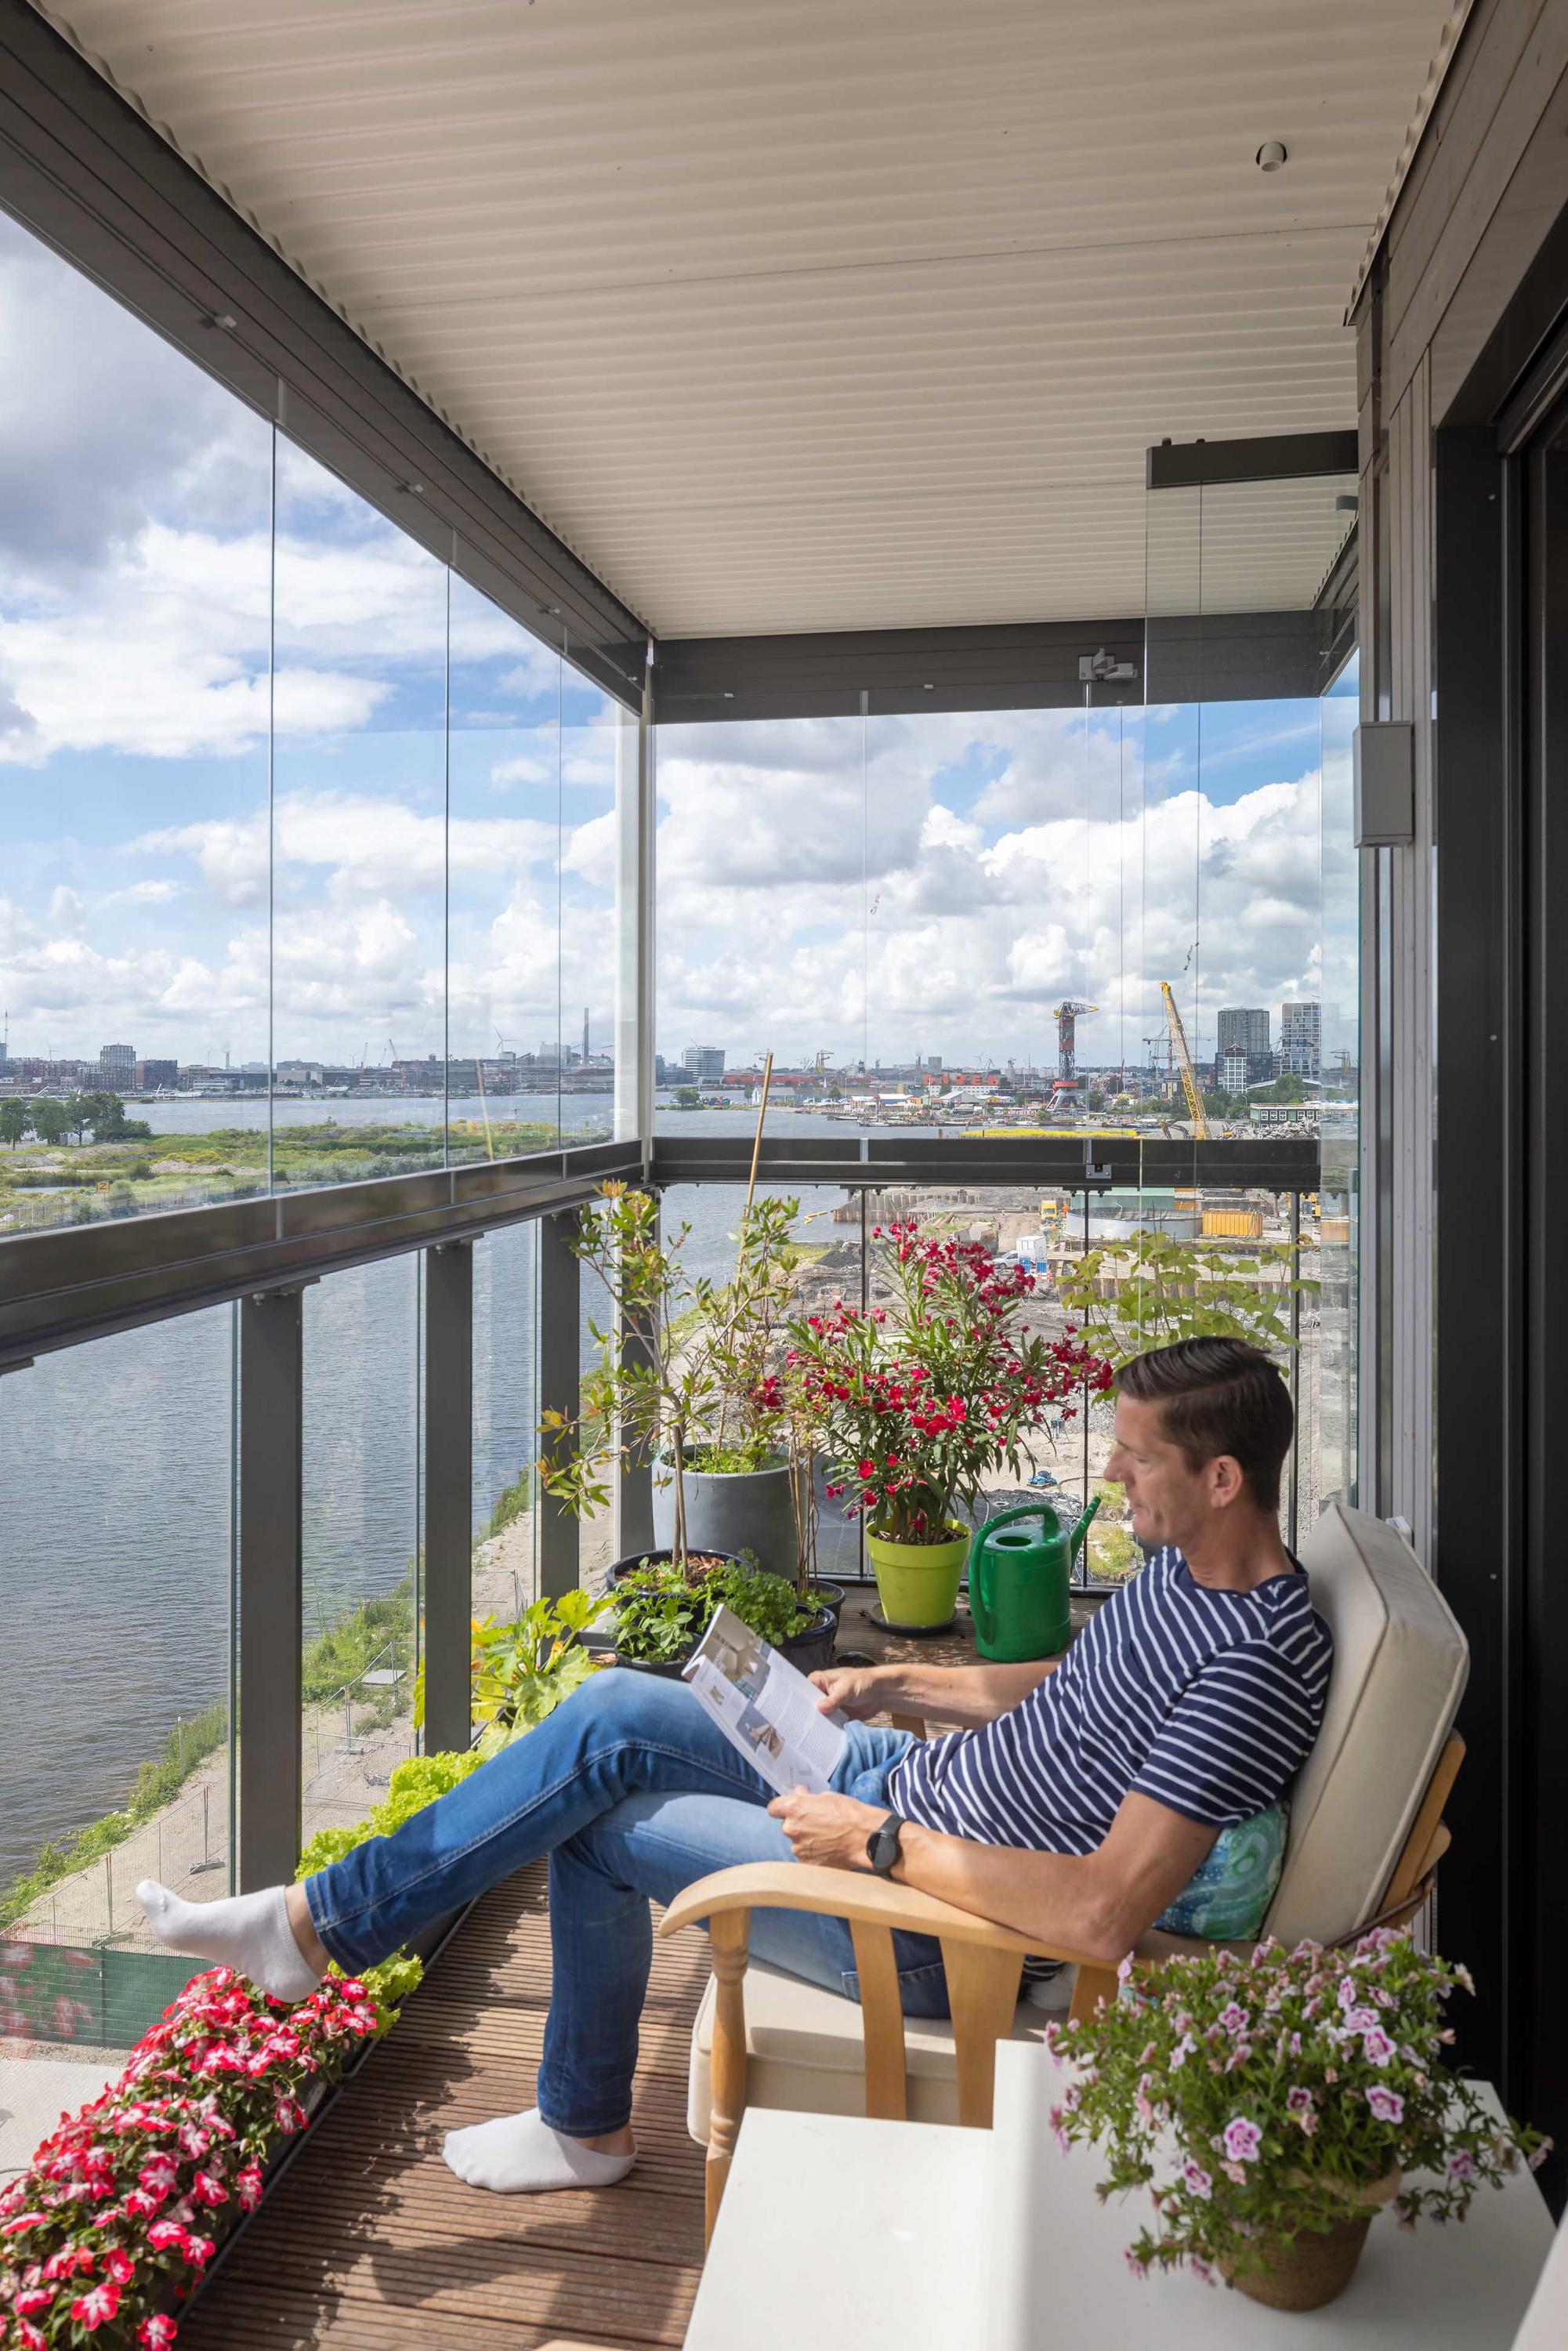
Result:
[116,1482]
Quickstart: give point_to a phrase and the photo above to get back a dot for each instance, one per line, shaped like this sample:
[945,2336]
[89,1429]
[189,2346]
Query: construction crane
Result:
[1183,1059]
[1066,1018]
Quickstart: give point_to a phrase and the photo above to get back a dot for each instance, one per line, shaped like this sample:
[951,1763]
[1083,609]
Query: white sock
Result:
[249,1932]
[519,2155]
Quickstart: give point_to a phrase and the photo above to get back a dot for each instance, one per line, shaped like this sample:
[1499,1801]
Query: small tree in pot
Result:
[918,1403]
[689,1386]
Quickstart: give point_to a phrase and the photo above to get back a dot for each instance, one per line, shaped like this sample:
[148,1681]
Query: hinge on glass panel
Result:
[1093,1173]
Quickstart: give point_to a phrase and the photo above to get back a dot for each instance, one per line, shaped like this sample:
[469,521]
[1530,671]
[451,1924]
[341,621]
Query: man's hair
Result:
[1218,1396]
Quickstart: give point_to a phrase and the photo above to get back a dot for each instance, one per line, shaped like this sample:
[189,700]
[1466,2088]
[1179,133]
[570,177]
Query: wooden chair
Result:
[1366,1834]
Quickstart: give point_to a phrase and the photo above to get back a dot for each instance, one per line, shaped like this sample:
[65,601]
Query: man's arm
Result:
[1098,1904]
[962,1694]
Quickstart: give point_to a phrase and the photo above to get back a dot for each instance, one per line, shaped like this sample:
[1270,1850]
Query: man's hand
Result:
[857,1691]
[831,1830]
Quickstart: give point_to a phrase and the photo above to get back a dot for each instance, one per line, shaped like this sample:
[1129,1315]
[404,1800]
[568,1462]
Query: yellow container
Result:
[1233,1224]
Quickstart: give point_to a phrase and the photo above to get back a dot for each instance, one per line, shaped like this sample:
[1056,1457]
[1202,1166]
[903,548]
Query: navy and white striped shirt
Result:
[1207,1701]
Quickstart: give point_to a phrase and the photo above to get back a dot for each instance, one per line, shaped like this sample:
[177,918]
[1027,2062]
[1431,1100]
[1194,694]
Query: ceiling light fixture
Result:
[1270,155]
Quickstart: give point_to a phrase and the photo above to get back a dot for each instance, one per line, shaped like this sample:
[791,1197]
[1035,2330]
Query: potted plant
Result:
[1271,2110]
[690,1388]
[663,1609]
[916,1404]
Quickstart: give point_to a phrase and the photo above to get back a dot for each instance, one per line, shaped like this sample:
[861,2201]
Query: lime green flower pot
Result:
[917,1583]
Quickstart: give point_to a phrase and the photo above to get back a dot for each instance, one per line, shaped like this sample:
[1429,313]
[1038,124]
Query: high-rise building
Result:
[117,1067]
[1231,1073]
[1244,1029]
[704,1064]
[151,1075]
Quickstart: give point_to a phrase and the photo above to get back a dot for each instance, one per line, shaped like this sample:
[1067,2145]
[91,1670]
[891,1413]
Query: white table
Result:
[844,2235]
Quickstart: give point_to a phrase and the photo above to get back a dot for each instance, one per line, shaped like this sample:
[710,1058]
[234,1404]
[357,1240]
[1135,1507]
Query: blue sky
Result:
[956,874]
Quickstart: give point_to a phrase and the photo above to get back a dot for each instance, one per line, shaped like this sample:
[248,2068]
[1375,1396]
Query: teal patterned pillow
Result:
[1229,1895]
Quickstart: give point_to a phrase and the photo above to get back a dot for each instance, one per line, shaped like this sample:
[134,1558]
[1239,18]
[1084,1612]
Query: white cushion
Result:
[1545,2326]
[805,2052]
[1400,1662]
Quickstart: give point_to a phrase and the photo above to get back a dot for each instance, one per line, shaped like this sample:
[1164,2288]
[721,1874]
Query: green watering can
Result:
[1018,1582]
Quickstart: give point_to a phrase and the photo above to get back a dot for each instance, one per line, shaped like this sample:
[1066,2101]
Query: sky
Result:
[195,618]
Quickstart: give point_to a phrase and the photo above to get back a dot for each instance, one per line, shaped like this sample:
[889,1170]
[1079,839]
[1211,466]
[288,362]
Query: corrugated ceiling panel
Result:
[859,313]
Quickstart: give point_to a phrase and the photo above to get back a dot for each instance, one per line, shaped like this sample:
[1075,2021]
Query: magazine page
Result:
[765,1708]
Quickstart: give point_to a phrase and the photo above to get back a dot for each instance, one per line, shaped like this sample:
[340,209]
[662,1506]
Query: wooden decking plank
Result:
[371,2244]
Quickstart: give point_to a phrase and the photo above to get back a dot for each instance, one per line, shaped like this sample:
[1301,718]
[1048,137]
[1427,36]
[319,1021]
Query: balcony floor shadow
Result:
[369,2244]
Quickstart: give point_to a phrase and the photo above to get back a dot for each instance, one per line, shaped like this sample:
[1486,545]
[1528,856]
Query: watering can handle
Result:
[1043,1509]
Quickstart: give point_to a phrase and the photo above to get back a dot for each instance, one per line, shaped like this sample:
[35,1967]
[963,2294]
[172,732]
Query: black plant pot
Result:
[809,1651]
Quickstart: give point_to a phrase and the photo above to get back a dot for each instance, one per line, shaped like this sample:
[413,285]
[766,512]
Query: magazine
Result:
[765,1708]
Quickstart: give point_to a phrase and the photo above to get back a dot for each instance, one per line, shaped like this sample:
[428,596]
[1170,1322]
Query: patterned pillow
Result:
[1228,1895]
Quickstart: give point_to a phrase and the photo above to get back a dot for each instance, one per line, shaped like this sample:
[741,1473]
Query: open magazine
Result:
[765,1708]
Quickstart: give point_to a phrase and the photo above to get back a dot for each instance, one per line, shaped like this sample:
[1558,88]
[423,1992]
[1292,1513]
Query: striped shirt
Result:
[1207,1701]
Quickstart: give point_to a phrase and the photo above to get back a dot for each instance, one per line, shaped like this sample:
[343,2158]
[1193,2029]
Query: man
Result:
[1076,1806]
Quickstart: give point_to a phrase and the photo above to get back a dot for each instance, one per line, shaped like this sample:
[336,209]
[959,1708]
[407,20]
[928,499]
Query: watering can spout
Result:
[1075,1541]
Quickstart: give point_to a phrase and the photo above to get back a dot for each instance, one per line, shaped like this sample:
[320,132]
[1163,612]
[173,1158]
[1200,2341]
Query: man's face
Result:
[1168,1501]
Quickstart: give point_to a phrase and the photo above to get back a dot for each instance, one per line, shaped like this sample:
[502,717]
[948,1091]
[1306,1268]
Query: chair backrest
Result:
[1400,1663]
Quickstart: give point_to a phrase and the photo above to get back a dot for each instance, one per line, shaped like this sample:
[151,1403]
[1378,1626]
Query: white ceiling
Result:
[840,313]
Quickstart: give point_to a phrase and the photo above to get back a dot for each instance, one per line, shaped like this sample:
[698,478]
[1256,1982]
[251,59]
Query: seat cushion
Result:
[805,2052]
[1400,1662]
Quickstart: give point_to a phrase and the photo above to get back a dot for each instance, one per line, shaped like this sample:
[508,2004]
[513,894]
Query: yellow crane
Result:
[1189,1084]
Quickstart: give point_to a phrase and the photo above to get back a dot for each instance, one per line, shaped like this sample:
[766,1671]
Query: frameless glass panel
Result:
[1330,1320]
[592,767]
[134,552]
[117,1596]
[359,837]
[505,903]
[762,923]
[362,1534]
[506,1422]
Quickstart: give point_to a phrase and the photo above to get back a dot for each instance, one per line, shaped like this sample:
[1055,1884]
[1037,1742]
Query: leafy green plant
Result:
[663,1608]
[413,1785]
[523,1671]
[1152,1290]
[1283,2087]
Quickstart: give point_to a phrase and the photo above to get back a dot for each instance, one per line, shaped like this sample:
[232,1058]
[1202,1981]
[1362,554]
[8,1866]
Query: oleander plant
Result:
[107,2233]
[1258,2104]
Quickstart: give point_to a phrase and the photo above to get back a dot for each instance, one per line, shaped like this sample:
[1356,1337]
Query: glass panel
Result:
[359,848]
[506,883]
[117,1596]
[134,553]
[362,1535]
[592,765]
[1332,1322]
[762,921]
[505,1417]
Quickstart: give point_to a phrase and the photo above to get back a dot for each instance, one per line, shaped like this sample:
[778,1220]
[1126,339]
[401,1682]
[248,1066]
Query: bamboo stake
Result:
[757,1141]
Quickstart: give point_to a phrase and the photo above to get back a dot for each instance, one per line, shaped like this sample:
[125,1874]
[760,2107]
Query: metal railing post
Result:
[560,1293]
[272,1587]
[448,1494]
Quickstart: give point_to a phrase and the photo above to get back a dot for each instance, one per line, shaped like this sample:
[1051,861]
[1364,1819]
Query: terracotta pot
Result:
[1316,2266]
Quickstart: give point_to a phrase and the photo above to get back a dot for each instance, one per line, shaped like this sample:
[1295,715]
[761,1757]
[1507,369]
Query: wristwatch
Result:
[882,1845]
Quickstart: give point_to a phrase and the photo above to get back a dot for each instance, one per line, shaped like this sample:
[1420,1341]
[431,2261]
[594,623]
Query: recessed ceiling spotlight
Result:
[1270,155]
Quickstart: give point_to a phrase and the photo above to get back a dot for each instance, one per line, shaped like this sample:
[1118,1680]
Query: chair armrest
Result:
[854,1895]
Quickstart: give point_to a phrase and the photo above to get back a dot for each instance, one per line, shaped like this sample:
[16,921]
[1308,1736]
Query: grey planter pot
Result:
[731,1510]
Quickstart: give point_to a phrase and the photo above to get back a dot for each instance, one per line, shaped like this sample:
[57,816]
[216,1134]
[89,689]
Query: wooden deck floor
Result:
[369,2244]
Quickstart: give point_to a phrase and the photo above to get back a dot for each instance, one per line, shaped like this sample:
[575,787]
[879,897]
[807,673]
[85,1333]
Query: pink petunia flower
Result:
[1242,2139]
[1377,2046]
[1386,2105]
[1199,2180]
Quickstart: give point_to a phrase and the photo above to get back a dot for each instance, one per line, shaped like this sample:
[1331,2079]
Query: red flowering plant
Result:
[123,2205]
[919,1402]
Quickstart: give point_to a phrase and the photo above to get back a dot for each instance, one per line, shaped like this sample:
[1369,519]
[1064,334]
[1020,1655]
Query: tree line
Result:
[50,1121]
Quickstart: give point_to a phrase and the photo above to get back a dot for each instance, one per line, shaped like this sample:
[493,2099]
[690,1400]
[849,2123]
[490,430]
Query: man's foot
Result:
[519,2155]
[252,1933]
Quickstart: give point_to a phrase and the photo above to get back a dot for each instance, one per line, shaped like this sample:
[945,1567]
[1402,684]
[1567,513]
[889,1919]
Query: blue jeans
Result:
[633,1793]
